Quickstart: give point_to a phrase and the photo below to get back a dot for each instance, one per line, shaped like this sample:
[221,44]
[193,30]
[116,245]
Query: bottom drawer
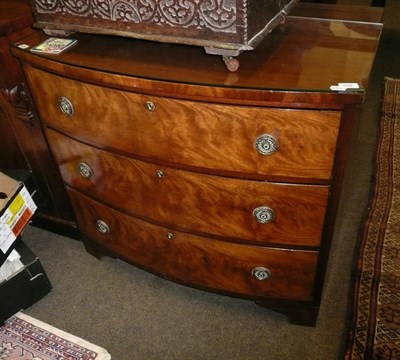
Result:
[250,271]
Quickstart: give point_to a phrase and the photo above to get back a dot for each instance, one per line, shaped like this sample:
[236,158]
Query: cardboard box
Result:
[25,287]
[16,209]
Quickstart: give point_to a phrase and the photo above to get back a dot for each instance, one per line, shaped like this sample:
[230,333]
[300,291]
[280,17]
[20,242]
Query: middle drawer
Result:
[241,210]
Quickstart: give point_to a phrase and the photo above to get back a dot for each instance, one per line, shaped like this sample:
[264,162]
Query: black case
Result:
[24,288]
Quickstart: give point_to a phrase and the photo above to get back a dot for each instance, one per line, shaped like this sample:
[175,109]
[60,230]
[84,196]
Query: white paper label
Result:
[350,85]
[15,218]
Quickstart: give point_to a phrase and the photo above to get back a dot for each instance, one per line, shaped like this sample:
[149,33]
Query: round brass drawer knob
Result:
[261,273]
[170,236]
[102,227]
[266,144]
[150,106]
[66,106]
[85,170]
[264,214]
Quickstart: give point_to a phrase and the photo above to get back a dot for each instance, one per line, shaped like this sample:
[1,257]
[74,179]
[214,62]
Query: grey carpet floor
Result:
[139,316]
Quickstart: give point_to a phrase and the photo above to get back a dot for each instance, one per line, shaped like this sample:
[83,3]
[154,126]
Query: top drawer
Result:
[245,141]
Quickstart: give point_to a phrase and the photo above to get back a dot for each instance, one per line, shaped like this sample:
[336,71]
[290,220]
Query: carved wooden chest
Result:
[222,27]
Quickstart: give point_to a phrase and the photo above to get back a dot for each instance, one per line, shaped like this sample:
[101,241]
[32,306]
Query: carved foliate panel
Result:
[214,15]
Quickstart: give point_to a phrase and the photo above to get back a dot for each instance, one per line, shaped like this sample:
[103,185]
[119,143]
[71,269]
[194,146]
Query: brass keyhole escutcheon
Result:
[150,106]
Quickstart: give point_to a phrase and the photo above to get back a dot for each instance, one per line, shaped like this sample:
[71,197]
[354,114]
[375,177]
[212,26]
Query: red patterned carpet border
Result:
[376,315]
[25,338]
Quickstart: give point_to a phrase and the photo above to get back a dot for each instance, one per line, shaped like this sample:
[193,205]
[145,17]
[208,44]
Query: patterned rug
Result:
[25,338]
[376,314]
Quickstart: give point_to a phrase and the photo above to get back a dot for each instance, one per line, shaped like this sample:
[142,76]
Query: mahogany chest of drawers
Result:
[228,182]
